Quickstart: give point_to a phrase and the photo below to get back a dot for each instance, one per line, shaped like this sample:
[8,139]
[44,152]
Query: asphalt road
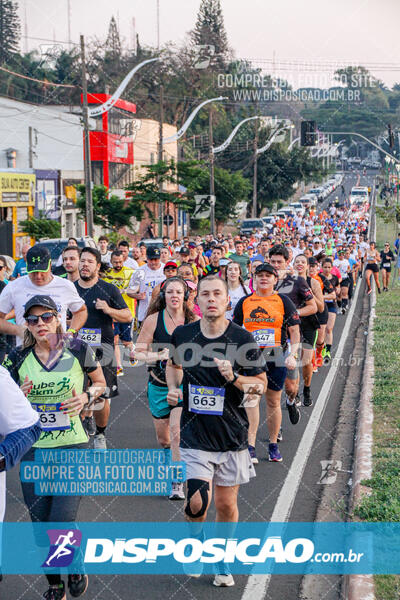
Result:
[131,427]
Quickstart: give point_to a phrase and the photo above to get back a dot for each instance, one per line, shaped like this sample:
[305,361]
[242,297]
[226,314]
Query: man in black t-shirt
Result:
[105,304]
[214,423]
[298,290]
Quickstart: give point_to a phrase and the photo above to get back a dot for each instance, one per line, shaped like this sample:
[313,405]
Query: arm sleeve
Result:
[291,316]
[16,444]
[238,312]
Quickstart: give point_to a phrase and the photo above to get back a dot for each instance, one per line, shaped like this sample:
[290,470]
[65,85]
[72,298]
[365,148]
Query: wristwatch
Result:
[235,376]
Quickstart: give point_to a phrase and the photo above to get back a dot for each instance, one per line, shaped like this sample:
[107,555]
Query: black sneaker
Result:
[294,413]
[56,592]
[379,290]
[307,400]
[90,425]
[77,585]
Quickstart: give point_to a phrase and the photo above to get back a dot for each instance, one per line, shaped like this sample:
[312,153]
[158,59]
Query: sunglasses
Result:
[2,267]
[46,317]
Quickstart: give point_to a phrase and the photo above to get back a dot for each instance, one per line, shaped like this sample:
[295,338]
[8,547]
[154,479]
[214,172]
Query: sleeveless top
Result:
[161,339]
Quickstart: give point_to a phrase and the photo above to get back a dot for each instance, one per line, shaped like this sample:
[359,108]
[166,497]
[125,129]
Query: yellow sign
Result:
[17,188]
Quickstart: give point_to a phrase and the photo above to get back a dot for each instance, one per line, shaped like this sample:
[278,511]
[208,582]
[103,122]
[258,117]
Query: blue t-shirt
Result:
[19,269]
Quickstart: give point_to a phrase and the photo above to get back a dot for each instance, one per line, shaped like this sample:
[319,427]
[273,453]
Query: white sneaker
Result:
[177,491]
[100,442]
[224,580]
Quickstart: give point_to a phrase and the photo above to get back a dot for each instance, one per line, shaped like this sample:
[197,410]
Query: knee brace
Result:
[193,486]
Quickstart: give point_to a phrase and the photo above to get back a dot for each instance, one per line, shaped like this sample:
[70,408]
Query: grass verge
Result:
[383,502]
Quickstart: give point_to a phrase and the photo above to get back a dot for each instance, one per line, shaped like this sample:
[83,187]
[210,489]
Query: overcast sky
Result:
[313,31]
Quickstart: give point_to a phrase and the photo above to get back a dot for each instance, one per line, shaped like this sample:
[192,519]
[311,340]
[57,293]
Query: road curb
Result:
[361,587]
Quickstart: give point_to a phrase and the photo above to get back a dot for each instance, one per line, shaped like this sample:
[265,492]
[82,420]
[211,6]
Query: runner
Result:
[167,312]
[70,266]
[20,267]
[40,280]
[121,277]
[271,317]
[213,267]
[297,290]
[309,326]
[343,265]
[236,287]
[372,259]
[331,292]
[52,374]
[322,315]
[129,262]
[105,253]
[145,280]
[170,270]
[387,257]
[214,423]
[105,306]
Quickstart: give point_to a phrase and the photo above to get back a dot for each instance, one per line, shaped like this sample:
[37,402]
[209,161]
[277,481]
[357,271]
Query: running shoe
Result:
[56,592]
[327,357]
[177,492]
[294,413]
[343,311]
[224,580]
[77,585]
[273,453]
[379,290]
[100,442]
[369,292]
[307,400]
[297,400]
[89,424]
[253,455]
[120,372]
[280,436]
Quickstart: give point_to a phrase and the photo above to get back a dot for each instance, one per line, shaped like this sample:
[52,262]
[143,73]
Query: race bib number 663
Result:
[206,400]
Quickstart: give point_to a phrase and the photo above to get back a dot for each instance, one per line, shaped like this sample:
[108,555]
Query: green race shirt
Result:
[51,386]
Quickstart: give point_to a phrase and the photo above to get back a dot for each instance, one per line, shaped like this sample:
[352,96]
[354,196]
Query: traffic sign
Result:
[168,219]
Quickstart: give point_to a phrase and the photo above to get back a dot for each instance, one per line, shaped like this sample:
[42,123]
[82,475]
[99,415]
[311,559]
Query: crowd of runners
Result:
[219,324]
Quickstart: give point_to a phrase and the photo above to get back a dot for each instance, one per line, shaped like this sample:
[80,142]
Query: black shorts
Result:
[323,316]
[387,269]
[345,282]
[308,336]
[372,267]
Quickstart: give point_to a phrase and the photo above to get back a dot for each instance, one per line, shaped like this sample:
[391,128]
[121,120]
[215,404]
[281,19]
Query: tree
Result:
[109,211]
[10,30]
[210,30]
[41,227]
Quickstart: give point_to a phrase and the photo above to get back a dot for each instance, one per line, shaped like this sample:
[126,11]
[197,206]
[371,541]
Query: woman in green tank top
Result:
[51,373]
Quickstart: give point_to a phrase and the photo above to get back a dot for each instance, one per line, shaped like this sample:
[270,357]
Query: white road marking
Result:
[257,585]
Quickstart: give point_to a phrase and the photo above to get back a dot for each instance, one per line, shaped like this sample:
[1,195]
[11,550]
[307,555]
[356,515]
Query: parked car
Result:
[268,221]
[249,225]
[156,242]
[57,245]
[298,208]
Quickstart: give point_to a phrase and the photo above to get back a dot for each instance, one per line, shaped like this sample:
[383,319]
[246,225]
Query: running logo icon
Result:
[63,543]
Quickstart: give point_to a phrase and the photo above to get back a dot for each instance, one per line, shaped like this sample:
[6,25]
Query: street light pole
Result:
[255,143]
[212,181]
[87,165]
[160,157]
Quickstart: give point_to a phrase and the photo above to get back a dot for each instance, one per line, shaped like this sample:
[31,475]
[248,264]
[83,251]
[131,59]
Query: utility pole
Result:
[255,144]
[212,182]
[160,157]
[30,148]
[88,176]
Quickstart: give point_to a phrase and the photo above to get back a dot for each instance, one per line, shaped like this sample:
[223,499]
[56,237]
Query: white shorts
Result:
[223,468]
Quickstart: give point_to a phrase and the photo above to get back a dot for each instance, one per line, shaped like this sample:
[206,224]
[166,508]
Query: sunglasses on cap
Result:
[46,317]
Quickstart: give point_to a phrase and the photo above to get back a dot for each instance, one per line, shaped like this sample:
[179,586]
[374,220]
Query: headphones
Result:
[163,284]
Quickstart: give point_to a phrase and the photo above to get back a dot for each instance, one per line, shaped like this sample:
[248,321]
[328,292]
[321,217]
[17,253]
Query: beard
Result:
[87,277]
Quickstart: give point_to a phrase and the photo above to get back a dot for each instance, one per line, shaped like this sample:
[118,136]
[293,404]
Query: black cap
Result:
[44,301]
[184,250]
[267,268]
[38,259]
[153,252]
